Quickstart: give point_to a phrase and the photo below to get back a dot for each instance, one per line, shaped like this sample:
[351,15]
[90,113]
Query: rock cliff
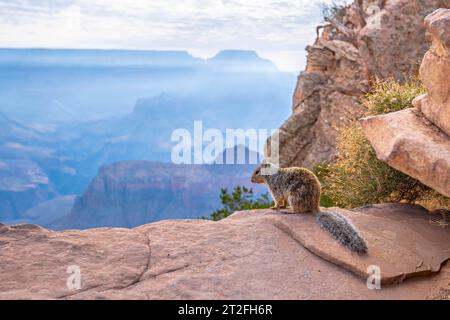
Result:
[416,141]
[374,38]
[435,71]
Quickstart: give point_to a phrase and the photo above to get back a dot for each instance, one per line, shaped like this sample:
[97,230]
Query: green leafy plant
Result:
[241,198]
[356,177]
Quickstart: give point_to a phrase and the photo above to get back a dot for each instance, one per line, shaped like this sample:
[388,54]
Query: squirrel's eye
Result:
[257,172]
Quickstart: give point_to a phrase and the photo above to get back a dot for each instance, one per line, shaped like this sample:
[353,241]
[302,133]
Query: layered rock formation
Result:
[22,185]
[132,193]
[374,38]
[417,141]
[435,71]
[258,254]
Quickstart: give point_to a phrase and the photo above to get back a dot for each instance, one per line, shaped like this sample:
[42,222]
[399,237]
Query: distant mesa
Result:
[112,80]
[236,55]
[124,58]
[240,155]
[95,57]
[239,58]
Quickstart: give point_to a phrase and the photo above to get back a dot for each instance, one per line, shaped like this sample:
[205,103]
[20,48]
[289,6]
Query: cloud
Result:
[197,25]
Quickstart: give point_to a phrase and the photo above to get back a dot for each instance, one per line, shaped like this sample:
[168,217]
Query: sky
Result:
[277,30]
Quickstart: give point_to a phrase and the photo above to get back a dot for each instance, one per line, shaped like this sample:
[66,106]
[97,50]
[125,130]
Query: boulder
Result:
[435,71]
[408,142]
[417,141]
[260,254]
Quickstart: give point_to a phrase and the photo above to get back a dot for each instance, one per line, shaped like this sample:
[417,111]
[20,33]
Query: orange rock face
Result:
[411,144]
[374,38]
[417,141]
[435,71]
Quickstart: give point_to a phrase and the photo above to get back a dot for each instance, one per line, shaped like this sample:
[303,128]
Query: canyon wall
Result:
[416,141]
[374,38]
[132,193]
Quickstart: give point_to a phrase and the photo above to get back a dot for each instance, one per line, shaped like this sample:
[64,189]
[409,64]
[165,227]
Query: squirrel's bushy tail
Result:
[342,230]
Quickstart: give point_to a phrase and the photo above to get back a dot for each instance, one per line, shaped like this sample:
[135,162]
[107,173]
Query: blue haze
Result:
[64,114]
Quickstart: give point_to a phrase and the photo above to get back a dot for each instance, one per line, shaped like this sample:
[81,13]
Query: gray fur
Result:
[342,230]
[297,187]
[300,188]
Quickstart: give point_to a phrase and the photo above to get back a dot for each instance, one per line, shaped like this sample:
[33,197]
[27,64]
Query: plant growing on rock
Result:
[390,96]
[334,11]
[241,198]
[357,177]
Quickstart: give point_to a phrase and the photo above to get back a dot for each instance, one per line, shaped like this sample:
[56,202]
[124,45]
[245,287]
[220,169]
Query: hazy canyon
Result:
[67,115]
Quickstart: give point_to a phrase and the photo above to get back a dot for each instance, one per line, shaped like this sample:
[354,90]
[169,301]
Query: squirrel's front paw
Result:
[275,208]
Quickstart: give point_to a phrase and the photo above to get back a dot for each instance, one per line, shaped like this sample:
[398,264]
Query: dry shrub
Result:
[335,10]
[390,96]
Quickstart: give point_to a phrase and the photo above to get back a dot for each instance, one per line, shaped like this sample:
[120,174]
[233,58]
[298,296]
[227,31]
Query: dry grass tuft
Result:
[356,177]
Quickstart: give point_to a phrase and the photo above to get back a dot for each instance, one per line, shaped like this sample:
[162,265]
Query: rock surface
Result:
[435,71]
[258,254]
[374,38]
[408,142]
[417,141]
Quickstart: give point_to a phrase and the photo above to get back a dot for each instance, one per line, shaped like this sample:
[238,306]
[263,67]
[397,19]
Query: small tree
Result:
[241,198]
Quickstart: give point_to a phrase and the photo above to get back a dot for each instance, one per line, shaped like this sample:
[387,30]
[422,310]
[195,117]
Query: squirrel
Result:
[300,188]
